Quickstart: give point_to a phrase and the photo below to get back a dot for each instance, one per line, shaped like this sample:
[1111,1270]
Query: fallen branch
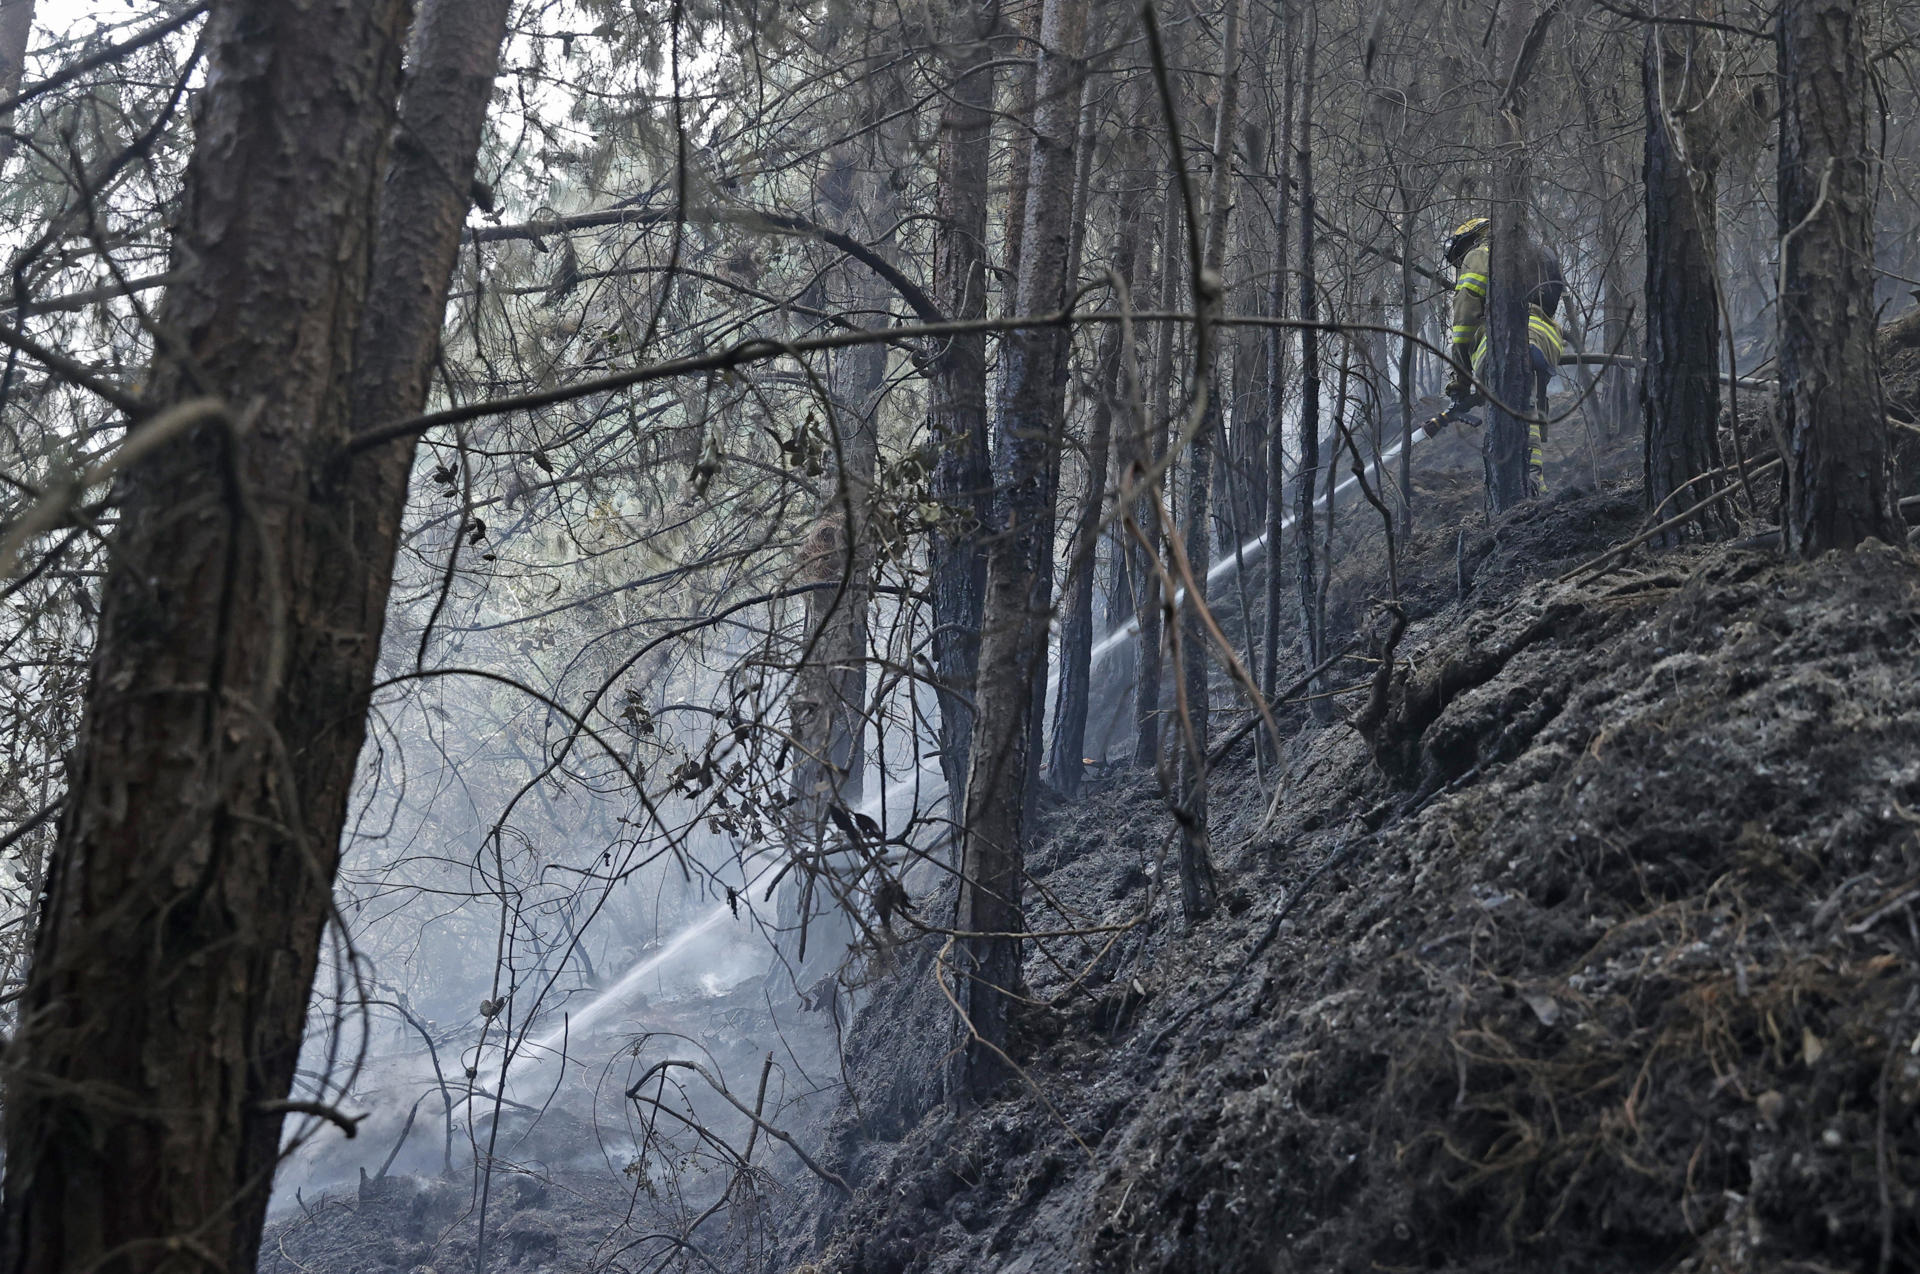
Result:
[347,1124]
[1598,565]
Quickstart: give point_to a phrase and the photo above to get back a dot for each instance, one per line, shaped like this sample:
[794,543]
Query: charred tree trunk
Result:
[963,473]
[1112,397]
[1019,588]
[1833,415]
[240,627]
[1680,390]
[1509,370]
[1197,889]
[1153,600]
[1306,486]
[1277,369]
[1409,323]
[1081,186]
[817,902]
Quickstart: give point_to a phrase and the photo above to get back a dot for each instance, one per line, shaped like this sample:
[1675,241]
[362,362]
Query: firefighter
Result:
[1544,286]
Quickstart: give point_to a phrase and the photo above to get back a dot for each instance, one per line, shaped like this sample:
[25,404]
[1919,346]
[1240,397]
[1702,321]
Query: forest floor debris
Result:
[1621,971]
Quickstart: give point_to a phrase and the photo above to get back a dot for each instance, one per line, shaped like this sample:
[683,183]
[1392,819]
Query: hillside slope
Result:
[1595,952]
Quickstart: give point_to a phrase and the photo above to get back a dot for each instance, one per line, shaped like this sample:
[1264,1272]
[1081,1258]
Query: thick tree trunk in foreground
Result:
[1833,416]
[1014,630]
[957,416]
[240,627]
[1681,388]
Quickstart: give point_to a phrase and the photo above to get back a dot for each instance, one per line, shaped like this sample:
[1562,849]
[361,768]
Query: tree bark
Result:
[1277,350]
[16,29]
[1197,889]
[1147,691]
[240,628]
[1680,391]
[1112,397]
[1079,202]
[830,700]
[1312,639]
[963,474]
[1507,371]
[1833,415]
[1019,589]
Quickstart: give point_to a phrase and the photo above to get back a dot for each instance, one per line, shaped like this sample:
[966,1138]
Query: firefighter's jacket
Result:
[1545,285]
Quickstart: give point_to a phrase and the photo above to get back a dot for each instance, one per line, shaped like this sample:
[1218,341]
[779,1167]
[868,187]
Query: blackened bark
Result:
[1113,397]
[963,474]
[1019,587]
[1833,415]
[1147,691]
[1197,889]
[240,626]
[1081,188]
[1409,323]
[1277,349]
[1306,486]
[1680,390]
[1509,370]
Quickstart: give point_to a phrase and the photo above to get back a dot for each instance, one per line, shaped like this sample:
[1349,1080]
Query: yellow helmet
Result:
[1462,240]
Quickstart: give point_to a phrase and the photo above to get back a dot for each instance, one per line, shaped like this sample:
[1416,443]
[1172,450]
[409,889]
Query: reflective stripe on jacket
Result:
[1470,304]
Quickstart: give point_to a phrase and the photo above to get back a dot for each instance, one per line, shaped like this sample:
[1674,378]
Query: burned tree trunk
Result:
[1306,486]
[963,475]
[1277,350]
[1013,638]
[1681,388]
[1153,598]
[1833,417]
[240,626]
[1197,889]
[1509,370]
[1113,398]
[830,699]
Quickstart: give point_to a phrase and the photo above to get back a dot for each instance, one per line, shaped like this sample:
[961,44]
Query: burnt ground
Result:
[1593,949]
[1583,942]
[585,1178]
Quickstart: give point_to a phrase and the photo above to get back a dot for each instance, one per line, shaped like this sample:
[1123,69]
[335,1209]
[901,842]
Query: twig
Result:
[1246,727]
[759,1106]
[1598,564]
[349,1125]
[142,441]
[401,1140]
[112,53]
[1347,849]
[660,1068]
